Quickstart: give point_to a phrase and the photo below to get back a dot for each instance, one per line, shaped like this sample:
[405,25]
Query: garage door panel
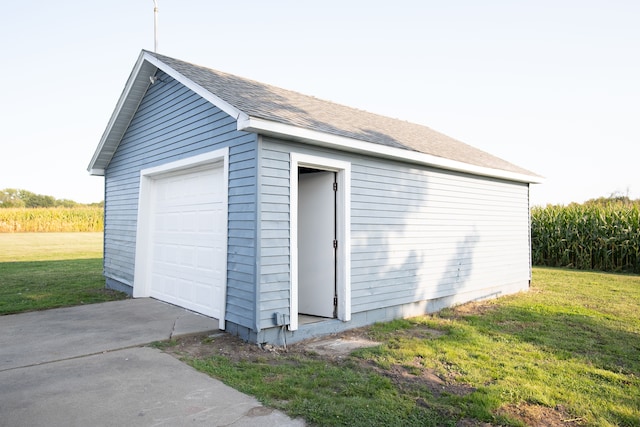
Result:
[205,222]
[188,270]
[206,257]
[182,208]
[183,287]
[207,240]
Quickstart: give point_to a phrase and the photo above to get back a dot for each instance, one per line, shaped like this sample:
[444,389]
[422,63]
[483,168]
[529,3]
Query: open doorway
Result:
[317,243]
[320,229]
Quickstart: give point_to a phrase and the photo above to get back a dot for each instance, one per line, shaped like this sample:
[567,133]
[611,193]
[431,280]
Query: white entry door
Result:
[188,240]
[316,234]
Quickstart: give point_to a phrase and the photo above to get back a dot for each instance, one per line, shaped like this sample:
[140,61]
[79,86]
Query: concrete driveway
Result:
[87,365]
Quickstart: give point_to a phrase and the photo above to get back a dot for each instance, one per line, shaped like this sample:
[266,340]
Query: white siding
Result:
[420,234]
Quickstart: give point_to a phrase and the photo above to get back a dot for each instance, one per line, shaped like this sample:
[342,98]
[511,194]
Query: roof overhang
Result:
[129,101]
[147,65]
[126,107]
[282,130]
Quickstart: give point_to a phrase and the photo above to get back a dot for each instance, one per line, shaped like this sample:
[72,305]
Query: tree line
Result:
[17,198]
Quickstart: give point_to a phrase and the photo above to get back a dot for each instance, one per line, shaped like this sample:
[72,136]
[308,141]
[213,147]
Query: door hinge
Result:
[335,301]
[335,186]
[335,244]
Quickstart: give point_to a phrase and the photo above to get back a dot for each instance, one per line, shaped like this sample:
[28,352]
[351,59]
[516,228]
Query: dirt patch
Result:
[541,416]
[473,423]
[473,308]
[218,344]
[409,379]
[420,332]
[338,346]
[331,347]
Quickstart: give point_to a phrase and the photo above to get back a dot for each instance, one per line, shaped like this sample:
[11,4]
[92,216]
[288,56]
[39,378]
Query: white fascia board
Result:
[215,100]
[271,128]
[116,116]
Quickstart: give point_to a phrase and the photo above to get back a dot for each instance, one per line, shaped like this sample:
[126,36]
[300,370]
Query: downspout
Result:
[530,239]
[258,235]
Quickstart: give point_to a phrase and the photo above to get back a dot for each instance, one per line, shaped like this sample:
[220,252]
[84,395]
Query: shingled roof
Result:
[254,100]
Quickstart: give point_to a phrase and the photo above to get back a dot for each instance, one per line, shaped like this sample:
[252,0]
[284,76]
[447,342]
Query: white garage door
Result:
[188,240]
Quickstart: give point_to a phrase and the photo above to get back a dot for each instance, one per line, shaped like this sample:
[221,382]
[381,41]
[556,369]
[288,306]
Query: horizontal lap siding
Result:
[274,235]
[417,233]
[241,274]
[173,123]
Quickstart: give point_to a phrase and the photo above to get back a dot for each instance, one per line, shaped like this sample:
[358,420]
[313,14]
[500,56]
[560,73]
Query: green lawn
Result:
[48,270]
[565,353]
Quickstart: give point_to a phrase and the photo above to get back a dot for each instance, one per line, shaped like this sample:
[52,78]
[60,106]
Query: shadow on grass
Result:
[599,341]
[594,364]
[41,285]
[562,362]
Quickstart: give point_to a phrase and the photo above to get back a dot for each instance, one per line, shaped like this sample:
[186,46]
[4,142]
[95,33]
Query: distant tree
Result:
[615,198]
[10,198]
[66,203]
[39,201]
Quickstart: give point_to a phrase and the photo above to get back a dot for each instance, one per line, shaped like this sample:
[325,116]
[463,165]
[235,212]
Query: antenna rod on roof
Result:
[155,26]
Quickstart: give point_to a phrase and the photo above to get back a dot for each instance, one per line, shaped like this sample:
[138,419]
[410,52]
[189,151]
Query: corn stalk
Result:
[588,237]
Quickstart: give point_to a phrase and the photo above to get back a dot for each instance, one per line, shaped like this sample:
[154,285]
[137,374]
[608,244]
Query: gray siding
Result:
[172,123]
[417,233]
[274,280]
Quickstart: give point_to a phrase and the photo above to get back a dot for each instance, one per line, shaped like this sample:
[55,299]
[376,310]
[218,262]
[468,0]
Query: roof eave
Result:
[277,129]
[128,103]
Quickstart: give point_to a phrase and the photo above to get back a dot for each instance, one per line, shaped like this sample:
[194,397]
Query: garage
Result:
[183,238]
[324,217]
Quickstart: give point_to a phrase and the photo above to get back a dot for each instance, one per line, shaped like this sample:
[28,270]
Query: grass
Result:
[568,349]
[574,341]
[48,270]
[323,393]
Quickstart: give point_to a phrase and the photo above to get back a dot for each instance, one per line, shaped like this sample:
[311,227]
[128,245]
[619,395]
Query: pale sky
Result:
[552,86]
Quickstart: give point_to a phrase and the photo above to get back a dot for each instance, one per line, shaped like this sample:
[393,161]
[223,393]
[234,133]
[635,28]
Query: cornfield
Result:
[20,220]
[587,237]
